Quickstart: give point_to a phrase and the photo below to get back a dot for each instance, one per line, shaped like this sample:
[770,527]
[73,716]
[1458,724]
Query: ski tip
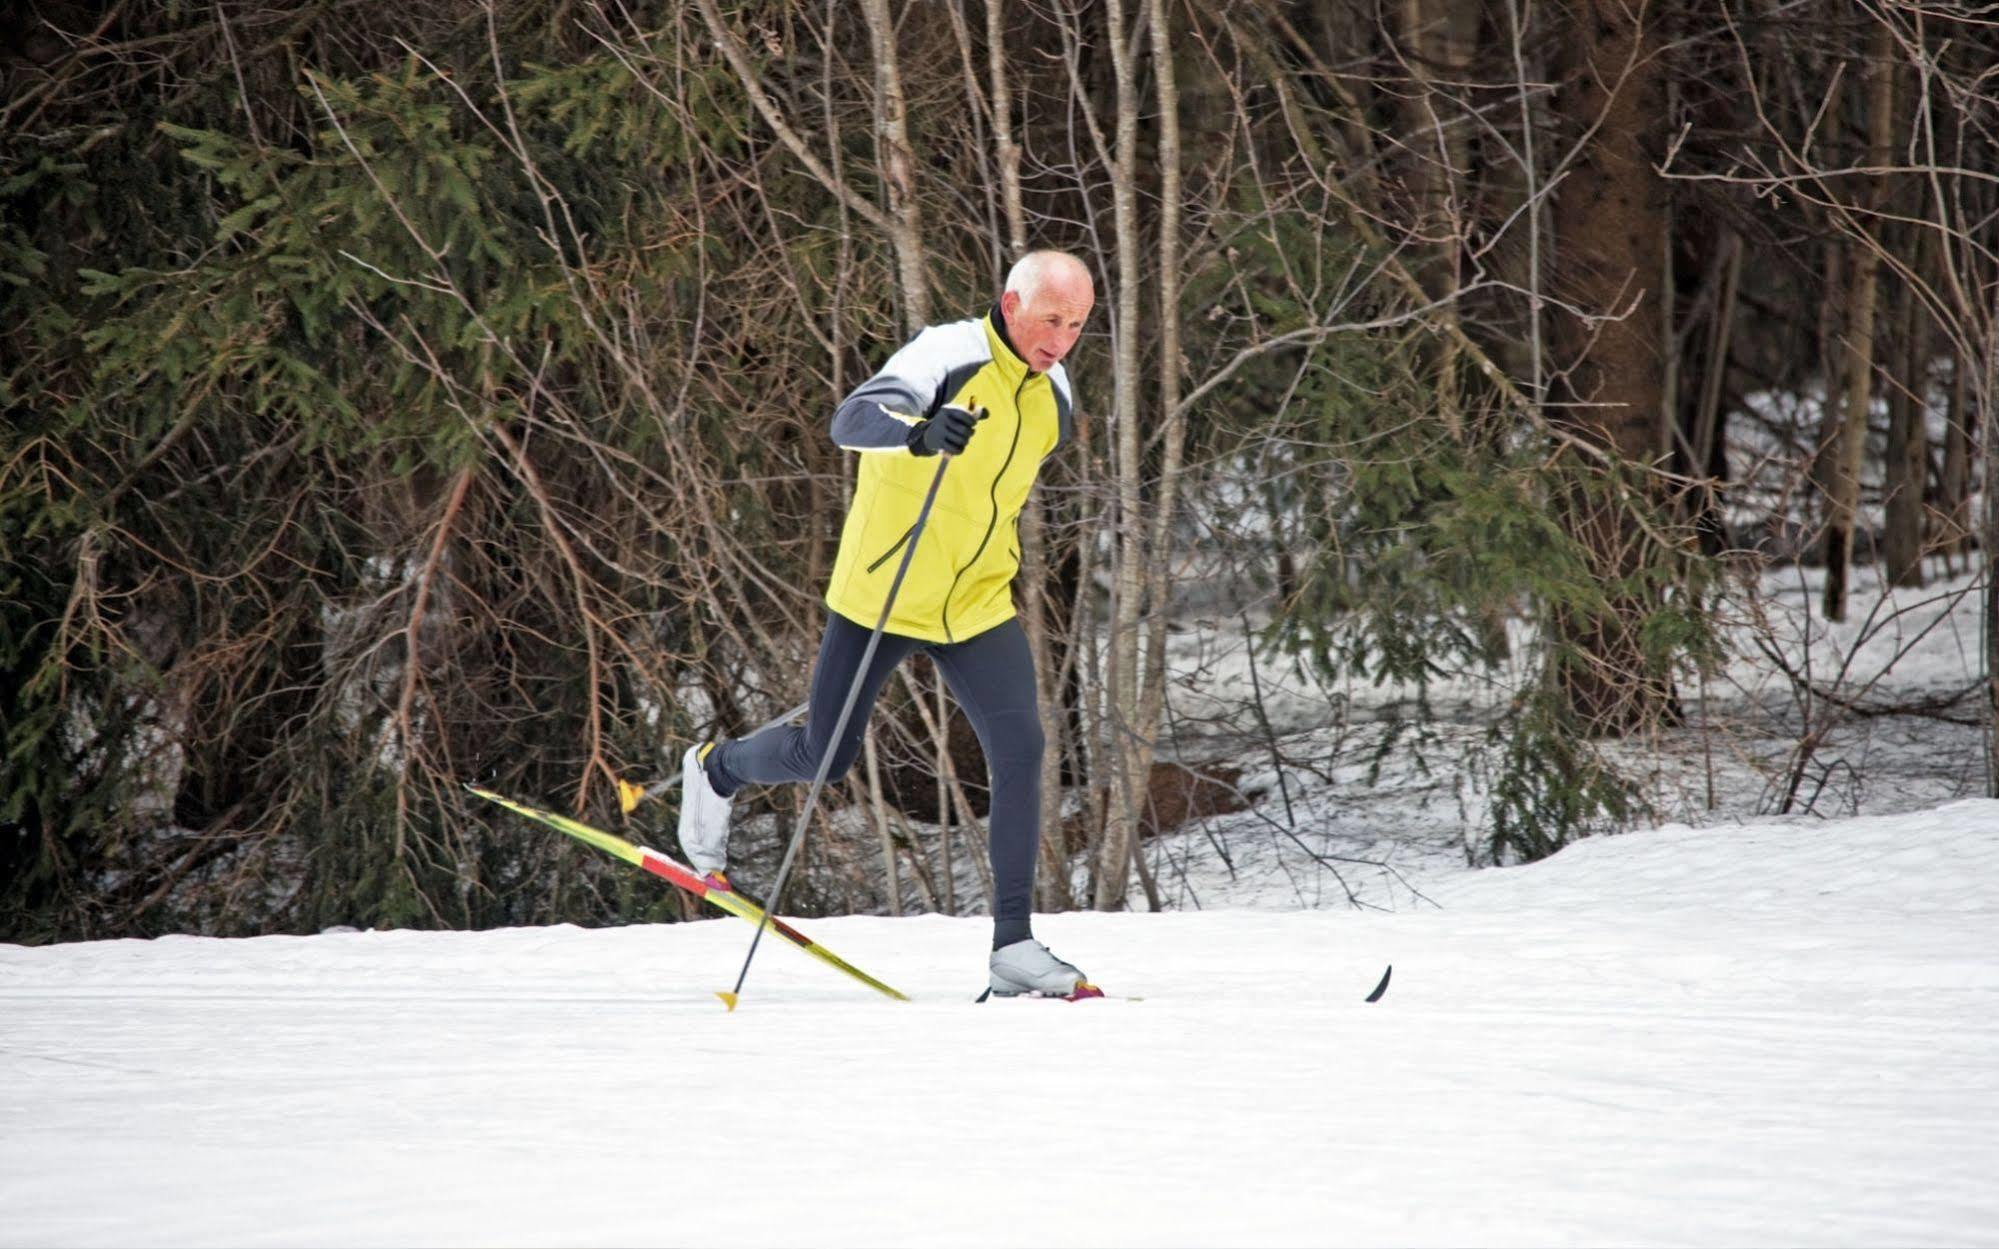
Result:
[1383,986]
[728,998]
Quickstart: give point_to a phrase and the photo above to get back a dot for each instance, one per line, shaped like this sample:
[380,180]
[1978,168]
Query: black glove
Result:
[948,431]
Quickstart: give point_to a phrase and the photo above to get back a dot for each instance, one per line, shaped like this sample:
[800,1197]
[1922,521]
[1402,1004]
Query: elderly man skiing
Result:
[991,394]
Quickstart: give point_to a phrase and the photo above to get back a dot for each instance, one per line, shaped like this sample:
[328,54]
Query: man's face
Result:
[1045,328]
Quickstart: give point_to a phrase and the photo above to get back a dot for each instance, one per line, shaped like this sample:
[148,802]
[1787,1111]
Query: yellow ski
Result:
[714,887]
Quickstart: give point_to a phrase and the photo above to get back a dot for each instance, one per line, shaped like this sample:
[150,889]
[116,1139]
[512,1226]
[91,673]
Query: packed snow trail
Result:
[1771,1035]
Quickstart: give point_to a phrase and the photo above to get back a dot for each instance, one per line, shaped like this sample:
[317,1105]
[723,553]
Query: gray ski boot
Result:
[1026,968]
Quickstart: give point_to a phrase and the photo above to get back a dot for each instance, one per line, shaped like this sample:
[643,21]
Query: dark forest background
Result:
[404,394]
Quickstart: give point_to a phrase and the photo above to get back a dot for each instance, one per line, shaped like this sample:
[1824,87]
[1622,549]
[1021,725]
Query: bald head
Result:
[1048,297]
[1052,271]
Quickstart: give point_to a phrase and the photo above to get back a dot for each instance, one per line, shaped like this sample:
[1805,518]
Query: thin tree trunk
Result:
[1669,327]
[1093,745]
[898,166]
[1709,457]
[949,872]
[1954,488]
[1832,304]
[1906,472]
[1052,881]
[1455,39]
[1159,547]
[1988,405]
[1526,351]
[739,60]
[1849,451]
[1121,829]
[1080,678]
[1003,140]
[950,789]
[1438,37]
[879,809]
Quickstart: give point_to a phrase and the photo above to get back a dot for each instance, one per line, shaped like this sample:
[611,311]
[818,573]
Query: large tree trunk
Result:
[1610,224]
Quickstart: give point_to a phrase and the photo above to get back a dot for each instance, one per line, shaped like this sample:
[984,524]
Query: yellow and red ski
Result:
[713,888]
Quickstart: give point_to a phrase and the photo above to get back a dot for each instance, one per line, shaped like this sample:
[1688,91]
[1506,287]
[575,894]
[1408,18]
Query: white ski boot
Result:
[1026,968]
[704,815]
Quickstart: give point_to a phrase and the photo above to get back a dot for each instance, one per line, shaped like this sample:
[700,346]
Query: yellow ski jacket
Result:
[960,580]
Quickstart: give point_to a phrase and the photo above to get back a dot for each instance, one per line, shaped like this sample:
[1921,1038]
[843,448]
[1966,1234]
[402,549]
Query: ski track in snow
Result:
[1759,1035]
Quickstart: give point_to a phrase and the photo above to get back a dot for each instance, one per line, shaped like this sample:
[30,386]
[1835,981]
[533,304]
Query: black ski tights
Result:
[991,676]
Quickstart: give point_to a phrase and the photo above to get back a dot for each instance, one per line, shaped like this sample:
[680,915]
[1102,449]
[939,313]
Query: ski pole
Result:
[839,726]
[630,794]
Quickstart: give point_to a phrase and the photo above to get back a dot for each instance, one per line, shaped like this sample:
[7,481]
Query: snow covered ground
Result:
[1768,1034]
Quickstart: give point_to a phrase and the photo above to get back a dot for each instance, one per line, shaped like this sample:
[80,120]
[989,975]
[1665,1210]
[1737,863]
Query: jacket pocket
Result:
[883,557]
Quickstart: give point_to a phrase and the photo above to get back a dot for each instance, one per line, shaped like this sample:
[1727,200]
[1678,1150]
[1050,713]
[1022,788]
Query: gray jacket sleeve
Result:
[881,411]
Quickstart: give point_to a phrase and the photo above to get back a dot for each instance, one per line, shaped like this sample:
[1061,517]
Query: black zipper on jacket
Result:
[883,558]
[992,496]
